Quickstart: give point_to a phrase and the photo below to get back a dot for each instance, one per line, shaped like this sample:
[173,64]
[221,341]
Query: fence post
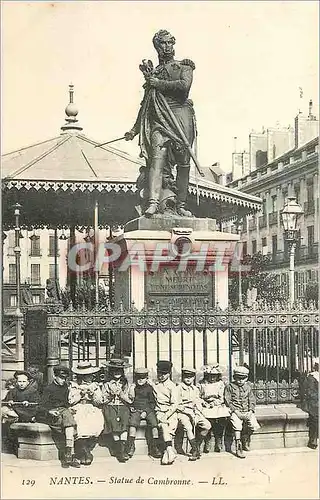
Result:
[53,351]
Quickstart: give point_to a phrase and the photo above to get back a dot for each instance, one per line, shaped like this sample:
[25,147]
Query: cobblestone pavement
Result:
[291,473]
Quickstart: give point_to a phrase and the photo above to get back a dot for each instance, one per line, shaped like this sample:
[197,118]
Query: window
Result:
[35,246]
[297,192]
[310,230]
[244,249]
[52,243]
[264,242]
[12,273]
[274,203]
[254,246]
[13,300]
[274,245]
[310,198]
[36,299]
[35,274]
[11,239]
[264,206]
[51,271]
[285,195]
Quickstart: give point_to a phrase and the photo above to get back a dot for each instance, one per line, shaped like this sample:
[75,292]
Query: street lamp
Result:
[290,214]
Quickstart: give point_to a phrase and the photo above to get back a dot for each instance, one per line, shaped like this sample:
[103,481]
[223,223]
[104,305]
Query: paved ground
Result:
[274,474]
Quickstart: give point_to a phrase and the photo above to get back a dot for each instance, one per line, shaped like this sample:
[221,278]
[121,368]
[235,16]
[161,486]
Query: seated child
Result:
[20,402]
[239,397]
[116,401]
[55,411]
[143,406]
[166,397]
[190,412]
[86,399]
[211,389]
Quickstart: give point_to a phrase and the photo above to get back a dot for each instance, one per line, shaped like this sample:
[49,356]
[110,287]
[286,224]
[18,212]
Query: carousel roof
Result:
[71,162]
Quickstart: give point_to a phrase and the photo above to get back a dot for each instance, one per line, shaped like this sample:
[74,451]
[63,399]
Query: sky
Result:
[251,58]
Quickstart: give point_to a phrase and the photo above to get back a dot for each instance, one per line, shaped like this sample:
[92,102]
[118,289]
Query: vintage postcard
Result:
[160,249]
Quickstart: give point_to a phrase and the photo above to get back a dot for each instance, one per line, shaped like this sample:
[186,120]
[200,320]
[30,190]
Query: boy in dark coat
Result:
[239,397]
[55,412]
[143,406]
[20,403]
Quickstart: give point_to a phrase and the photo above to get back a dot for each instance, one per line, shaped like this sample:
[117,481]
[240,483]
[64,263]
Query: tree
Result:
[312,292]
[85,296]
[255,274]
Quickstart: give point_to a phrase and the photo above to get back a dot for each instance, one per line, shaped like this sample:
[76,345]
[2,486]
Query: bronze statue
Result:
[166,128]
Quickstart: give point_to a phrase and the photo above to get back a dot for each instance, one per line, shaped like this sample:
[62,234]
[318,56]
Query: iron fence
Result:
[277,343]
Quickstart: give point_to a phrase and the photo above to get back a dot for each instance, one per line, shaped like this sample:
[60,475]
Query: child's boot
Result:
[207,439]
[239,451]
[246,439]
[154,448]
[130,447]
[122,456]
[194,453]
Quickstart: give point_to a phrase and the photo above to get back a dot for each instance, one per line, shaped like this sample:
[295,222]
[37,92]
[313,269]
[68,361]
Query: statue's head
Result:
[164,42]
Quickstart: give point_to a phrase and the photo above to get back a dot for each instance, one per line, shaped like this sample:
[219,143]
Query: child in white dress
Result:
[211,389]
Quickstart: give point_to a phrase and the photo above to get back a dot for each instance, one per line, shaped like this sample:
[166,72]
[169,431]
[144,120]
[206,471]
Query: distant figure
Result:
[312,404]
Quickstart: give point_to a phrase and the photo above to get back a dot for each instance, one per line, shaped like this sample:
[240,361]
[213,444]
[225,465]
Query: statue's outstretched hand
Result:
[129,135]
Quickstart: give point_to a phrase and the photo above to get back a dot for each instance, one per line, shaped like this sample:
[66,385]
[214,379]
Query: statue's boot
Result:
[155,181]
[182,183]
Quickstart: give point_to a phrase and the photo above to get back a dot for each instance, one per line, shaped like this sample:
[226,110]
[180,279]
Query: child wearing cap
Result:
[85,398]
[239,398]
[116,401]
[166,396]
[211,389]
[55,411]
[143,406]
[190,412]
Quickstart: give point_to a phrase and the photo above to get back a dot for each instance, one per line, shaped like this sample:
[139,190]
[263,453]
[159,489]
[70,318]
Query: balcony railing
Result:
[310,252]
[262,221]
[273,218]
[309,207]
[37,253]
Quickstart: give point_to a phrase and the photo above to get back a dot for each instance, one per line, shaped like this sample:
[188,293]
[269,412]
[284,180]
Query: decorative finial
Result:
[71,112]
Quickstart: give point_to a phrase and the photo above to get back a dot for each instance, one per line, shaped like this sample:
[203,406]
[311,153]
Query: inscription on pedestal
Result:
[171,287]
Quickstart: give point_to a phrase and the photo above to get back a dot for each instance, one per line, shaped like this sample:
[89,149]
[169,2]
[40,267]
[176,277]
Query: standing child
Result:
[143,406]
[55,411]
[312,404]
[190,412]
[166,396]
[239,397]
[212,394]
[116,401]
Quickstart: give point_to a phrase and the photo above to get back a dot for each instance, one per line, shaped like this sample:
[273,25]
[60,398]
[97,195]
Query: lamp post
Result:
[290,214]
[17,253]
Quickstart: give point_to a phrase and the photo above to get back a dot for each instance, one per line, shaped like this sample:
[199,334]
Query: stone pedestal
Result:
[178,263]
[35,441]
